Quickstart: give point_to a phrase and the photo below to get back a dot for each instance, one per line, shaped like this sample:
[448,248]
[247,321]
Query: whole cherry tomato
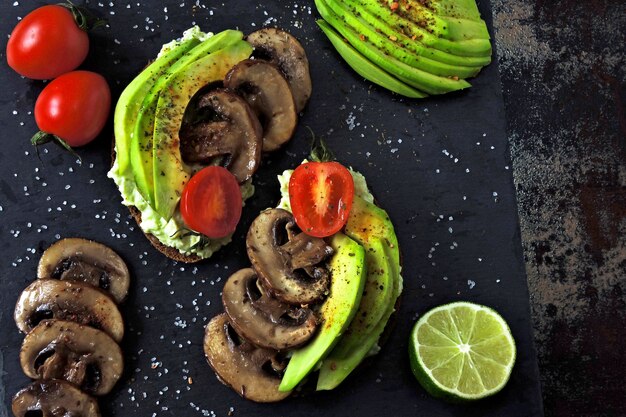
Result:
[321,195]
[73,107]
[211,202]
[47,43]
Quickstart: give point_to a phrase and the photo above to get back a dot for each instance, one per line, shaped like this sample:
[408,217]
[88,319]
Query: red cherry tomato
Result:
[74,107]
[321,196]
[47,43]
[211,202]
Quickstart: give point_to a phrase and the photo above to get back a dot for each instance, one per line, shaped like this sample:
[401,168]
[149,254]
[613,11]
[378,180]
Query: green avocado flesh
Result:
[129,103]
[389,47]
[422,80]
[365,68]
[357,340]
[461,9]
[429,46]
[406,41]
[452,28]
[367,221]
[371,227]
[170,173]
[141,155]
[347,267]
[478,47]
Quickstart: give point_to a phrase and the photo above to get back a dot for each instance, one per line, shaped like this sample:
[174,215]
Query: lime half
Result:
[462,351]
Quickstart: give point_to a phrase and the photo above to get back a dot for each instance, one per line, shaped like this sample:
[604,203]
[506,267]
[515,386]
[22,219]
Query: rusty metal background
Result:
[563,69]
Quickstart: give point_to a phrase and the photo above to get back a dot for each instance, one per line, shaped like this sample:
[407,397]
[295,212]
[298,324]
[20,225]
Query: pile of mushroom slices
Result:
[73,327]
[270,308]
[254,111]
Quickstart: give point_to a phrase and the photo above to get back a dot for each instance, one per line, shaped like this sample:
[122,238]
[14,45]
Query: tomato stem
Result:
[84,18]
[41,138]
[320,152]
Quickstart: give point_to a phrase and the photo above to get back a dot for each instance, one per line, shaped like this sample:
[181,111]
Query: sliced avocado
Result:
[357,340]
[366,221]
[394,49]
[130,100]
[421,46]
[462,9]
[348,278]
[422,80]
[411,43]
[141,155]
[467,48]
[371,227]
[451,28]
[170,173]
[458,29]
[364,67]
[370,343]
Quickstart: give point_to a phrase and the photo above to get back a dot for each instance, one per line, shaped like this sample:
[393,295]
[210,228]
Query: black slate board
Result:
[439,166]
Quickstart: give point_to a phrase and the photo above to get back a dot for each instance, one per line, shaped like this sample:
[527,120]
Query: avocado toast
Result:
[203,103]
[307,303]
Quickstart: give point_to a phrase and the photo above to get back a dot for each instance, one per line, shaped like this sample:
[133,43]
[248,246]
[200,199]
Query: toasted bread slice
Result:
[168,251]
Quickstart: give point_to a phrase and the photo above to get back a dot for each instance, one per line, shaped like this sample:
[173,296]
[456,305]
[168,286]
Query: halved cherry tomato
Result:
[211,202]
[47,43]
[321,196]
[74,107]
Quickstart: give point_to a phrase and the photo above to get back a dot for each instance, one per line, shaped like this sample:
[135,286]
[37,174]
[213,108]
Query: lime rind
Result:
[462,351]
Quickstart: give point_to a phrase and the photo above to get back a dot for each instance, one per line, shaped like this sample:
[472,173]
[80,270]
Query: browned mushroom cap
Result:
[83,260]
[53,398]
[84,356]
[283,50]
[264,87]
[232,131]
[287,261]
[253,372]
[261,319]
[68,300]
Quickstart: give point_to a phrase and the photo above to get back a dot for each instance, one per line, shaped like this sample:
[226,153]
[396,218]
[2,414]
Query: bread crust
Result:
[168,251]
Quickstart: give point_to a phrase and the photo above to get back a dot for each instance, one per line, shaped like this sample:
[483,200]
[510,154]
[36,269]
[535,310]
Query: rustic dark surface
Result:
[440,167]
[563,70]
